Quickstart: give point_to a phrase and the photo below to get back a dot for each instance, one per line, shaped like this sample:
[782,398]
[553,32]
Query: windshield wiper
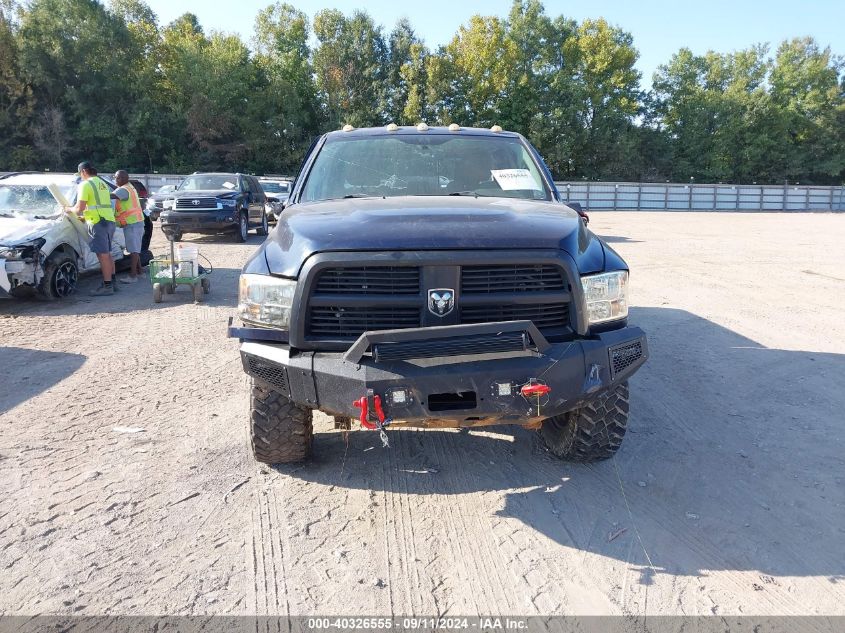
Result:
[360,195]
[464,193]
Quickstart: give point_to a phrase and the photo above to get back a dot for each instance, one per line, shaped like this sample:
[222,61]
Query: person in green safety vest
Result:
[93,204]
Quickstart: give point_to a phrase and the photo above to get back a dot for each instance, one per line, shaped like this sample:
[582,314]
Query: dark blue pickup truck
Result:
[433,277]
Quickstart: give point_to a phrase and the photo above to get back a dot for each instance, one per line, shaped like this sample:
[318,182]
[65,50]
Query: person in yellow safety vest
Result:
[129,216]
[93,204]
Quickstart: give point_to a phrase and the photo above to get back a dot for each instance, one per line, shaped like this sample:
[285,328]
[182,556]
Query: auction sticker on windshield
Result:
[513,179]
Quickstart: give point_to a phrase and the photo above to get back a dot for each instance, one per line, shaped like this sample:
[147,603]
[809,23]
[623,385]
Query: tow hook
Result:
[372,402]
[534,388]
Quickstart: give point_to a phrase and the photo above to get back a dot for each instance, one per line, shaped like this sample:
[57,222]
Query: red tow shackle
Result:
[535,390]
[364,405]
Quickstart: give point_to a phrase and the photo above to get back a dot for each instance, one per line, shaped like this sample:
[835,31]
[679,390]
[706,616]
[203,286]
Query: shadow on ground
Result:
[25,373]
[733,460]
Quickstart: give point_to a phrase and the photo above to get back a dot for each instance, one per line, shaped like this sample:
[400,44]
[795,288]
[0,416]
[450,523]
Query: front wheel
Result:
[593,432]
[243,227]
[60,276]
[280,431]
[265,227]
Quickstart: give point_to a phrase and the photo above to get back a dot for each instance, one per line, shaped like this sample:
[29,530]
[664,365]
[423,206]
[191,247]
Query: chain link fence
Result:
[620,196]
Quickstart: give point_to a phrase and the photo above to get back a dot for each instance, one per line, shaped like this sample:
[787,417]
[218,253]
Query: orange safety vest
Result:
[129,211]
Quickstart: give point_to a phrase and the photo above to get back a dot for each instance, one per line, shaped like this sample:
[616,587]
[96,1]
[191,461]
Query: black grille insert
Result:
[511,278]
[623,356]
[333,322]
[269,372]
[370,280]
[544,316]
[452,401]
[457,346]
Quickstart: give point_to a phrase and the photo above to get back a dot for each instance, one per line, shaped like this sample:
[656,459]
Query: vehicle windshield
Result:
[274,187]
[165,190]
[424,165]
[31,200]
[209,182]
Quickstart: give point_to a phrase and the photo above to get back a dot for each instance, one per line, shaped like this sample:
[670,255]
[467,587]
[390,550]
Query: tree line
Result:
[108,83]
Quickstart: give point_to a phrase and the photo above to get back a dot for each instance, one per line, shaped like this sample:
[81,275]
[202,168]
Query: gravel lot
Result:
[726,498]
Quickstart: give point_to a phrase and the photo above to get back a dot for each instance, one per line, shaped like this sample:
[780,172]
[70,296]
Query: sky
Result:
[659,28]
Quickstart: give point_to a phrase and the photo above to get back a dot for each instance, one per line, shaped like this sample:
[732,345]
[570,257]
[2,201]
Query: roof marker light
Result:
[422,127]
[348,128]
[392,127]
[496,128]
[454,127]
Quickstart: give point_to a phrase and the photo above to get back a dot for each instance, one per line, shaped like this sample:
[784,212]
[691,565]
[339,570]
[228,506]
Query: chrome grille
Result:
[198,203]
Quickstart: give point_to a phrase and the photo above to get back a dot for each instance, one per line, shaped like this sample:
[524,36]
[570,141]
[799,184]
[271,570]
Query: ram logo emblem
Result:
[441,301]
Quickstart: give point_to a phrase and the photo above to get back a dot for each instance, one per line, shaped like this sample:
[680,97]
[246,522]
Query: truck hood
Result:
[20,229]
[427,223]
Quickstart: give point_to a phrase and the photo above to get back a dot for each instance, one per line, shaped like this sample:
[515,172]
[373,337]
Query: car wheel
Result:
[60,276]
[264,228]
[243,227]
[591,433]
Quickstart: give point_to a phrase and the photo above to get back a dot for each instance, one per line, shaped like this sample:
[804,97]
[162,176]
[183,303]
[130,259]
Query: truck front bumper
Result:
[462,390]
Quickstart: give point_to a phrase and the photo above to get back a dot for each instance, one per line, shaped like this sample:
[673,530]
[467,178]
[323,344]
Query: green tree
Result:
[75,54]
[350,68]
[805,85]
[16,100]
[288,95]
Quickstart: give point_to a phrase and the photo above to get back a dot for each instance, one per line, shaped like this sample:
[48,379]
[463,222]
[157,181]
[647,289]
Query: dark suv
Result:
[433,277]
[217,203]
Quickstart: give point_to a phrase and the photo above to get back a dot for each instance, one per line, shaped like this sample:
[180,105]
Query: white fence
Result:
[621,196]
[705,197]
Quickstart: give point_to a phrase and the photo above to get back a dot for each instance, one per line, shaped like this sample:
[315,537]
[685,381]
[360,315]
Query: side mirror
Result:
[576,206]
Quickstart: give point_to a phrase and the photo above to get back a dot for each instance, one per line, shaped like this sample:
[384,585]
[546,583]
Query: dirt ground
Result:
[726,498]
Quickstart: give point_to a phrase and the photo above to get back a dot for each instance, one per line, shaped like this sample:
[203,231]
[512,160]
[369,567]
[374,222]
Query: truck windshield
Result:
[424,165]
[34,200]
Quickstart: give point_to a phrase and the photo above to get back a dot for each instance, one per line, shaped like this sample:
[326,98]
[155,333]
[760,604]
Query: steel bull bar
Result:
[458,375]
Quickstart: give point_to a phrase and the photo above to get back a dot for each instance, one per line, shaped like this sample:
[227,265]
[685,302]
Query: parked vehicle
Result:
[156,201]
[217,203]
[42,248]
[433,277]
[141,188]
[277,192]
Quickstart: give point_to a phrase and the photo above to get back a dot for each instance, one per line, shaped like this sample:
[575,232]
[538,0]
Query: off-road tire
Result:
[591,433]
[343,422]
[281,432]
[61,275]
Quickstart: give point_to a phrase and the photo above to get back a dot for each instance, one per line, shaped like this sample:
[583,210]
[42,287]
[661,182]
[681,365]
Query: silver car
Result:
[42,248]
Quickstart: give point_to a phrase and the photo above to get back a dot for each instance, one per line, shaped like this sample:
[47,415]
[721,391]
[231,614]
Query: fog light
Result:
[399,396]
[229,218]
[504,388]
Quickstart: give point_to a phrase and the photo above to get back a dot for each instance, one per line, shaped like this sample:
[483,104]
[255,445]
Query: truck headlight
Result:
[265,300]
[606,296]
[168,204]
[228,203]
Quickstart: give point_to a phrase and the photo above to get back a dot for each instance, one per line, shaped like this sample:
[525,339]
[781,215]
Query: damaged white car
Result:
[42,248]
